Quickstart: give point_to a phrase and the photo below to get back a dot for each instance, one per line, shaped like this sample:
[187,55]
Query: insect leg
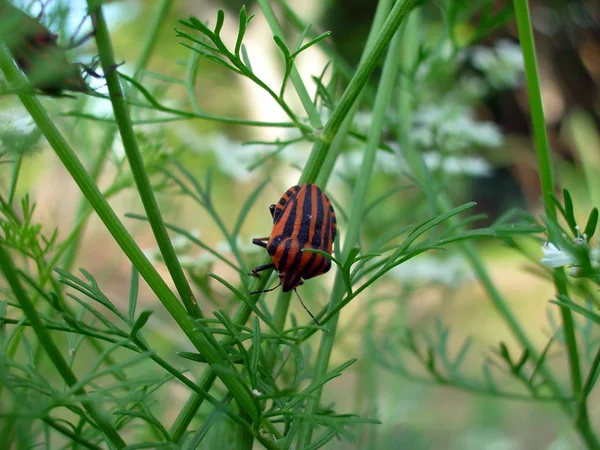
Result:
[43,4]
[266,290]
[261,268]
[260,242]
[307,310]
[76,43]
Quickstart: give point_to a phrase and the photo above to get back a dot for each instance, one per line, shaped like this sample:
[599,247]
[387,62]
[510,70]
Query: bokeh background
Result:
[498,173]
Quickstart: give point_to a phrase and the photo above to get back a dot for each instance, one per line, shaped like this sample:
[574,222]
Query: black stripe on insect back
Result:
[288,226]
[318,222]
[334,223]
[285,255]
[307,220]
[305,224]
[285,199]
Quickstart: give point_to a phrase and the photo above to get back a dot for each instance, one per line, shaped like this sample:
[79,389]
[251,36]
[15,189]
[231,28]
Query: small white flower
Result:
[502,65]
[472,88]
[362,121]
[17,122]
[422,136]
[181,243]
[256,392]
[447,270]
[458,165]
[595,257]
[575,271]
[454,128]
[234,158]
[118,150]
[201,261]
[351,162]
[152,254]
[555,257]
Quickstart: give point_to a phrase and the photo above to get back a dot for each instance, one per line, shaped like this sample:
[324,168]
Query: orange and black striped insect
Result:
[303,218]
[37,53]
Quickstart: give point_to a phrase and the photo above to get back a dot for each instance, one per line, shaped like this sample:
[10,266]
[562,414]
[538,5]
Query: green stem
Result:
[536,107]
[382,98]
[138,169]
[159,19]
[381,14]
[542,148]
[83,208]
[53,352]
[203,341]
[406,100]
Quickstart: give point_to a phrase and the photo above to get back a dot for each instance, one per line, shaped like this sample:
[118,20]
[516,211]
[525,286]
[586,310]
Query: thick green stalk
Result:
[53,352]
[352,92]
[542,148]
[536,107]
[140,65]
[138,169]
[381,14]
[204,342]
[382,98]
[309,175]
[309,107]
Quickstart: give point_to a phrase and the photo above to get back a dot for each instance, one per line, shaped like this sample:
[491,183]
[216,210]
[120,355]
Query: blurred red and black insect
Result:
[303,218]
[38,54]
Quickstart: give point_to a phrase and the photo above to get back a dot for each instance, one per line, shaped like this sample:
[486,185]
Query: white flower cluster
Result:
[16,126]
[555,257]
[502,66]
[452,128]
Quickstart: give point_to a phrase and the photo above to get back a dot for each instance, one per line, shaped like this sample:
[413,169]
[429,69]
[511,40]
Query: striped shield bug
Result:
[37,53]
[302,219]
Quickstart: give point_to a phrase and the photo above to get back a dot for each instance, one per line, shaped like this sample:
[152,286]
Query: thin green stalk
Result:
[280,313]
[138,169]
[542,148]
[159,19]
[341,66]
[382,98]
[83,208]
[14,178]
[69,433]
[313,115]
[411,44]
[309,175]
[53,352]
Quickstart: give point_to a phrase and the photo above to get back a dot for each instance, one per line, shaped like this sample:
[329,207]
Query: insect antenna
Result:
[266,290]
[309,313]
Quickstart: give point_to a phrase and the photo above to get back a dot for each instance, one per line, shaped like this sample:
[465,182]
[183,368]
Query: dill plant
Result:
[78,369]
